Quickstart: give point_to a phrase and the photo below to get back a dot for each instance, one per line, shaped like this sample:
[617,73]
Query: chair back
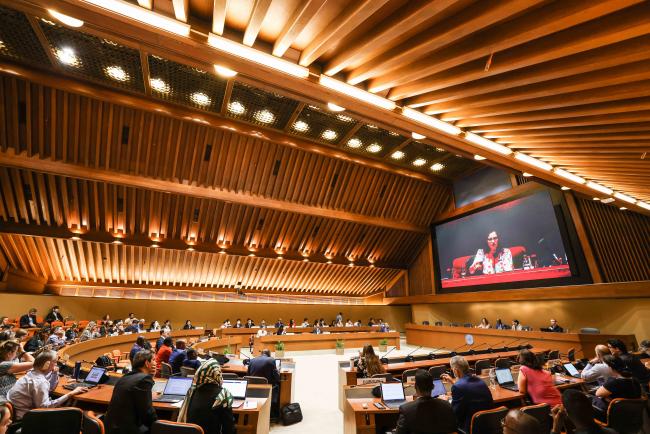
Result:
[425,322]
[168,427]
[165,370]
[571,355]
[502,363]
[64,420]
[554,355]
[57,324]
[92,424]
[437,371]
[229,376]
[482,364]
[541,412]
[256,380]
[488,421]
[590,330]
[468,325]
[186,371]
[408,373]
[625,416]
[437,323]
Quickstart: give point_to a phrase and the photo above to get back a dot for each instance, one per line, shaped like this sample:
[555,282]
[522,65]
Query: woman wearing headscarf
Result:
[208,404]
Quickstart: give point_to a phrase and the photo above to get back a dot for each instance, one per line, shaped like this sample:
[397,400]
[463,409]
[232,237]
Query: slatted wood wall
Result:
[421,272]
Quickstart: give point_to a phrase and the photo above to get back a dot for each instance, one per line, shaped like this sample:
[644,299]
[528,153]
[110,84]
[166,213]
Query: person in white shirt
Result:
[33,390]
[305,323]
[596,369]
[261,332]
[226,324]
[349,323]
[57,338]
[485,324]
[516,325]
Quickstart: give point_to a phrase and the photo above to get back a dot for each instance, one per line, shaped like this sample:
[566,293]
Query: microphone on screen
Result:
[384,359]
[409,357]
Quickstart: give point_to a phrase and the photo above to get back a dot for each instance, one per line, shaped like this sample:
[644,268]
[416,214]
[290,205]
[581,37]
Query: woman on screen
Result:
[493,259]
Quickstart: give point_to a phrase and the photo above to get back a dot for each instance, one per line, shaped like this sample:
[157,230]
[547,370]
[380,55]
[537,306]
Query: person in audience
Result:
[515,325]
[620,385]
[154,326]
[596,369]
[305,323]
[644,348]
[337,323]
[5,323]
[54,315]
[535,381]
[159,341]
[279,323]
[384,327]
[339,317]
[469,393]
[321,323]
[208,404]
[167,325]
[226,324]
[131,316]
[71,333]
[238,324]
[133,326]
[554,327]
[261,332]
[21,336]
[499,325]
[425,415]
[262,324]
[192,359]
[576,406]
[36,342]
[485,324]
[29,319]
[9,367]
[292,323]
[163,354]
[90,332]
[138,346]
[5,418]
[33,390]
[249,323]
[369,364]
[632,363]
[357,323]
[178,356]
[371,322]
[317,330]
[264,366]
[491,259]
[281,331]
[130,410]
[518,422]
[57,338]
[142,326]
[188,325]
[349,323]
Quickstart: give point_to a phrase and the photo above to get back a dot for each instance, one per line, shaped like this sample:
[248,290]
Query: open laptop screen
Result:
[504,376]
[177,386]
[392,391]
[95,375]
[237,388]
[571,369]
[438,388]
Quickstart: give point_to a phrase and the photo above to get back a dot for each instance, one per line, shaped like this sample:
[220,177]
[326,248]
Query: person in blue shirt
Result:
[178,356]
[139,345]
[191,361]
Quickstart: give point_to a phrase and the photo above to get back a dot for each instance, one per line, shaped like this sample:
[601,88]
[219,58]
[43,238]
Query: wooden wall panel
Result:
[421,272]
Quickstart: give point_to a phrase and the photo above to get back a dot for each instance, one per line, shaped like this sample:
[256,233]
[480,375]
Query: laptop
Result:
[505,380]
[237,389]
[572,370]
[175,389]
[438,389]
[92,379]
[392,394]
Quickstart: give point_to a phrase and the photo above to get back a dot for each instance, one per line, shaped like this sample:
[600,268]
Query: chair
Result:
[438,323]
[454,324]
[590,330]
[408,373]
[168,427]
[92,424]
[625,416]
[64,420]
[468,325]
[571,355]
[502,363]
[425,322]
[57,324]
[387,376]
[437,371]
[255,380]
[482,364]
[541,412]
[488,421]
[553,355]
[165,370]
[229,376]
[186,371]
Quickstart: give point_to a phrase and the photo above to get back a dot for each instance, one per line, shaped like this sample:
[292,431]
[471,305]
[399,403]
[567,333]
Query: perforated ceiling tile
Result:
[259,107]
[372,140]
[18,40]
[321,125]
[185,85]
[100,60]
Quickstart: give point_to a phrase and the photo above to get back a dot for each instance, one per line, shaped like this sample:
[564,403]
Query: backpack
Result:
[291,414]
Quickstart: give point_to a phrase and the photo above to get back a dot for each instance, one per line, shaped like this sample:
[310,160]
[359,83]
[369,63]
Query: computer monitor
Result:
[95,375]
[504,376]
[438,388]
[237,388]
[392,391]
[177,386]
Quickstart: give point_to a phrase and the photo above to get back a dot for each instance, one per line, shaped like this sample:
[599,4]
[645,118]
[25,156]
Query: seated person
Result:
[554,327]
[485,324]
[138,346]
[238,324]
[4,323]
[644,348]
[369,364]
[167,326]
[499,325]
[5,418]
[131,409]
[154,326]
[163,354]
[249,323]
[36,342]
[264,366]
[71,333]
[492,258]
[469,393]
[349,323]
[57,338]
[596,369]
[316,330]
[292,323]
[632,363]
[425,415]
[305,323]
[515,325]
[192,359]
[261,332]
[576,406]
[226,324]
[29,319]
[133,326]
[281,331]
[279,323]
[208,404]
[33,390]
[178,356]
[536,382]
[159,341]
[9,351]
[54,315]
[357,323]
[371,322]
[620,385]
[517,422]
[188,325]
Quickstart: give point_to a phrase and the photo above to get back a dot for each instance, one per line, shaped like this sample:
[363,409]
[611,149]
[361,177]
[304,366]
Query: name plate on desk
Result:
[362,381]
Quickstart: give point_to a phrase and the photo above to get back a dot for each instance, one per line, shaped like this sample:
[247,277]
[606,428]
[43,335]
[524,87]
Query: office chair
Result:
[168,427]
[571,355]
[590,330]
[256,380]
[482,364]
[64,420]
[541,412]
[165,370]
[502,363]
[408,373]
[186,371]
[425,322]
[488,421]
[91,424]
[625,416]
[437,323]
[437,371]
[387,376]
[229,376]
[553,355]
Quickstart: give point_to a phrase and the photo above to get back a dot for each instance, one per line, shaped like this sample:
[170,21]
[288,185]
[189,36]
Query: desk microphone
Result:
[384,359]
[409,357]
[472,349]
[512,342]
[490,349]
[247,360]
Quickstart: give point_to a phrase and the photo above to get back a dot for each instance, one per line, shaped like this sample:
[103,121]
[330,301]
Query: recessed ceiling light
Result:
[75,238]
[224,72]
[622,208]
[305,260]
[159,85]
[437,167]
[66,19]
[397,155]
[607,200]
[329,135]
[222,252]
[335,108]
[372,127]
[51,23]
[441,150]
[280,257]
[155,246]
[374,148]
[419,162]
[417,136]
[596,198]
[236,107]
[351,264]
[301,126]
[479,157]
[624,197]
[67,56]
[251,254]
[393,133]
[264,116]
[329,262]
[118,242]
[190,249]
[199,98]
[565,188]
[116,73]
[354,143]
[527,175]
[344,118]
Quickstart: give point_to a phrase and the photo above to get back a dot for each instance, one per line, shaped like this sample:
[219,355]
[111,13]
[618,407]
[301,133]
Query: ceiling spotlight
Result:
[570,176]
[417,136]
[236,108]
[335,108]
[329,262]
[305,260]
[397,155]
[199,98]
[66,19]
[607,200]
[279,257]
[251,254]
[264,116]
[222,252]
[527,175]
[437,167]
[374,148]
[224,72]
[419,162]
[155,246]
[372,126]
[344,118]
[67,56]
[351,264]
[75,238]
[565,188]
[118,242]
[479,157]
[643,205]
[190,249]
[600,188]
[354,143]
[329,135]
[159,85]
[301,126]
[622,208]
[116,73]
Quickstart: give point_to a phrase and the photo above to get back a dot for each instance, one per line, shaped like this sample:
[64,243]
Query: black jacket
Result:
[426,416]
[24,321]
[213,420]
[53,316]
[130,410]
[264,366]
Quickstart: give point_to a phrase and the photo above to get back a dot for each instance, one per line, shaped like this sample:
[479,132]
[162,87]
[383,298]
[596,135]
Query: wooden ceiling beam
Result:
[258,13]
[181,10]
[301,17]
[623,118]
[570,132]
[219,8]
[550,141]
[147,4]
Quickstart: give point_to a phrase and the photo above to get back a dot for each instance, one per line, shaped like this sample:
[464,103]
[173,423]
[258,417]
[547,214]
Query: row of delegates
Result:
[485,324]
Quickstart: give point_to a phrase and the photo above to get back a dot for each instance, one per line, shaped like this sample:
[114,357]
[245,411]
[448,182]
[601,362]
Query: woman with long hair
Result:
[535,381]
[154,326]
[369,363]
[485,324]
[9,352]
[492,258]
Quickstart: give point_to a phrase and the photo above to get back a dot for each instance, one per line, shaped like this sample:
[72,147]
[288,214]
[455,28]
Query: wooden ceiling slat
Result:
[258,13]
[302,15]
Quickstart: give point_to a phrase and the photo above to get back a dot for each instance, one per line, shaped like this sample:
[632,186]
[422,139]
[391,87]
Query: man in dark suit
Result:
[264,366]
[130,410]
[469,393]
[29,319]
[425,415]
[54,315]
[555,327]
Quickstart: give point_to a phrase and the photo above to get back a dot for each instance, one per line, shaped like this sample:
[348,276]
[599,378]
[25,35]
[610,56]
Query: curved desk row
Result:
[308,341]
[253,330]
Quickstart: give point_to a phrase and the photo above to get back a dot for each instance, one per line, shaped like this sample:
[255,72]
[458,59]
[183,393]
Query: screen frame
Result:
[580,274]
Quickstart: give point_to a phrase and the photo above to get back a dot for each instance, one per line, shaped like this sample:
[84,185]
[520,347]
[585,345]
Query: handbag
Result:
[291,414]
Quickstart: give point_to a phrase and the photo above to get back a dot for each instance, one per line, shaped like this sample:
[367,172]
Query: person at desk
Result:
[261,332]
[469,393]
[316,330]
[167,326]
[249,323]
[305,323]
[485,324]
[281,331]
[130,410]
[339,317]
[208,404]
[357,323]
[371,322]
[632,363]
[154,326]
[262,324]
[132,327]
[292,323]
[554,327]
[36,342]
[349,323]
[425,415]
[596,369]
[178,356]
[192,359]
[54,315]
[57,338]
[238,324]
[576,406]
[279,323]
[535,381]
[492,258]
[620,385]
[369,364]
[163,334]
[188,325]
[138,346]
[264,366]
[515,325]
[33,390]
[163,354]
[9,351]
[71,333]
[499,325]
[29,319]
[226,324]
[644,349]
